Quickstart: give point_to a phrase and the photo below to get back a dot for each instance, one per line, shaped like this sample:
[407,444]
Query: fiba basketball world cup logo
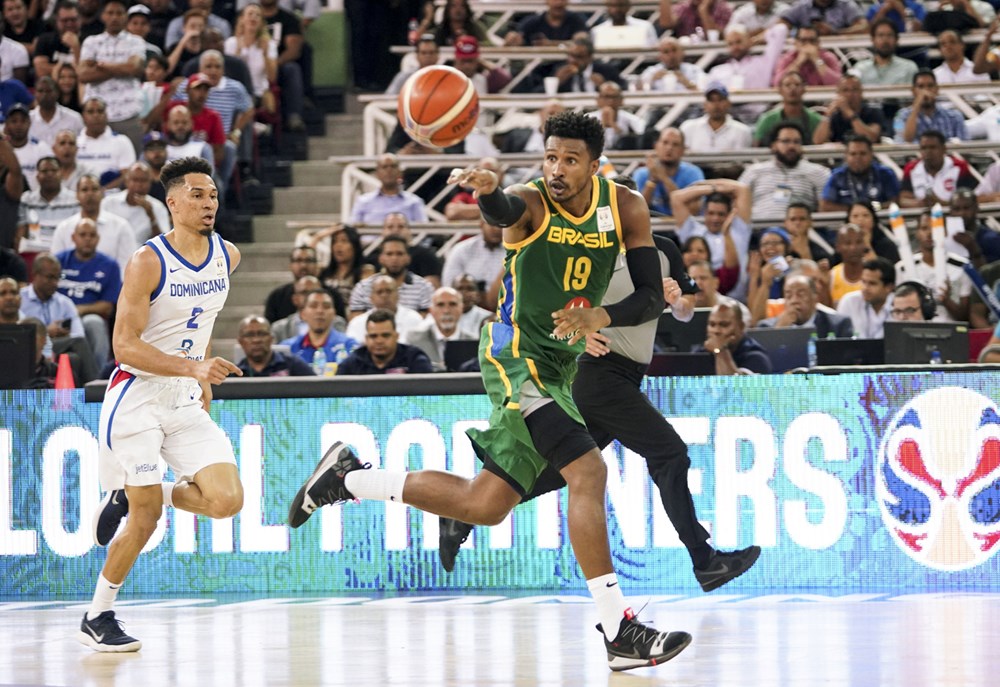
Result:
[938,478]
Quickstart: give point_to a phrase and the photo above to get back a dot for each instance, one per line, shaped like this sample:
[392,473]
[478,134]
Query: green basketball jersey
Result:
[566,263]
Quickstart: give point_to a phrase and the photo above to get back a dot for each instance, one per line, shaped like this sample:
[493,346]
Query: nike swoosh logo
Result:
[99,638]
[392,498]
[114,499]
[611,584]
[176,269]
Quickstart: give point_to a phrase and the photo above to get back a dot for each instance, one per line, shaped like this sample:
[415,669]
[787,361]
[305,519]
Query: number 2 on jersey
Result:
[194,316]
[577,273]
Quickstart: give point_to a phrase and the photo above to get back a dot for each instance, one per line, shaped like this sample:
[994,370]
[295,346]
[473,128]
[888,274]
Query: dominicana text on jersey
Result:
[183,308]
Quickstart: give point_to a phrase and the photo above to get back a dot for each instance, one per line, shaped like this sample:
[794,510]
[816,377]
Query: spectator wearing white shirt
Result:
[622,129]
[14,60]
[955,67]
[716,131]
[385,291]
[147,216]
[869,306]
[179,139]
[99,147]
[41,210]
[480,256]
[28,149]
[49,118]
[117,238]
[988,190]
[111,66]
[985,125]
[618,16]
[758,15]
[672,73]
[307,10]
[954,293]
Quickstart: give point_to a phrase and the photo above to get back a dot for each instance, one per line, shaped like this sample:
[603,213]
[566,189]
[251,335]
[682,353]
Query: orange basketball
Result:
[438,106]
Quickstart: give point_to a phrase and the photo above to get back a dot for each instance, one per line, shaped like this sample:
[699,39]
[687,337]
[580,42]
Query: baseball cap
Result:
[197,79]
[467,47]
[717,87]
[153,138]
[777,231]
[18,107]
[138,9]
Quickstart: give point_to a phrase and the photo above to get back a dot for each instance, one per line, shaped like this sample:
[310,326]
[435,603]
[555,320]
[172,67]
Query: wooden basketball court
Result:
[881,640]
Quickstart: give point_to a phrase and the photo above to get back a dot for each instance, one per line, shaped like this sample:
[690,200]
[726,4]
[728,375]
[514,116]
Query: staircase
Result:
[314,195]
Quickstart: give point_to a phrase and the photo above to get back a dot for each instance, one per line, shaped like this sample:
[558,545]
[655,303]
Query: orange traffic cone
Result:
[64,375]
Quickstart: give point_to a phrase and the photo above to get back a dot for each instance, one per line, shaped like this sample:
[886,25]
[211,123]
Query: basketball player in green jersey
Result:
[563,234]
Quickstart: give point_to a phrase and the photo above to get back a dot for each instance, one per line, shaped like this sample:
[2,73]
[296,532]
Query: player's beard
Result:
[207,232]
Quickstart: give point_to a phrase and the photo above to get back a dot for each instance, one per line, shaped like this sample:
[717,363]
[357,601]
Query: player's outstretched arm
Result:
[142,276]
[510,208]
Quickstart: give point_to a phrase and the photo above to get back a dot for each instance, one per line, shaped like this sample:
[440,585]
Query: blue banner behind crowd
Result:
[850,483]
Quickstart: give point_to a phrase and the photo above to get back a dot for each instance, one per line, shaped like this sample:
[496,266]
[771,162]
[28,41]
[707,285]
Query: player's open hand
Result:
[481,181]
[597,344]
[573,324]
[215,370]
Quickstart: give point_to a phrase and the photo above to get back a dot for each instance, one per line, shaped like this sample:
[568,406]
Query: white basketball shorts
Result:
[146,421]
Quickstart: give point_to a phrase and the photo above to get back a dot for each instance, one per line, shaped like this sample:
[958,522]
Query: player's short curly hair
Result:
[173,172]
[579,126]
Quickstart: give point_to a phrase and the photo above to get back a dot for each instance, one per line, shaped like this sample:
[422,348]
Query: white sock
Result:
[168,492]
[611,606]
[380,485]
[104,597]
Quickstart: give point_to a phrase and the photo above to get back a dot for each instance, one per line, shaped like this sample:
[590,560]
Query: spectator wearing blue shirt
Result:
[859,179]
[92,280]
[925,115]
[665,172]
[370,209]
[255,338]
[382,352]
[319,314]
[827,16]
[896,12]
[41,300]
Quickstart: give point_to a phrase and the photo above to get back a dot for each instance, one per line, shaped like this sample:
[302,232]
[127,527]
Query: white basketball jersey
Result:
[183,308]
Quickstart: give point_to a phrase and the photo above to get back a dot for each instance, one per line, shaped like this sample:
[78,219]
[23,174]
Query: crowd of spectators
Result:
[95,97]
[794,273]
[390,300]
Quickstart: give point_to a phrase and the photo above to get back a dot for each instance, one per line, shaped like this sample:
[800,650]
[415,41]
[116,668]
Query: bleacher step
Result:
[274,228]
[307,199]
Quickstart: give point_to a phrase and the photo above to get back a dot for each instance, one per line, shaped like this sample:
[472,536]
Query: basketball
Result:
[438,106]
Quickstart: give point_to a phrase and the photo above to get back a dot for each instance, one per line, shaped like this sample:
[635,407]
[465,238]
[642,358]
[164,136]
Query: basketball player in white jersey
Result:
[157,401]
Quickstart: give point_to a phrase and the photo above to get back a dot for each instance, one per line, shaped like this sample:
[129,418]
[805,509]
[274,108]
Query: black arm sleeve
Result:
[501,209]
[646,302]
[677,271]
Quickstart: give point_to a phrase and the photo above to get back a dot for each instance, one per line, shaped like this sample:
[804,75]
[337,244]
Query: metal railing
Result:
[509,111]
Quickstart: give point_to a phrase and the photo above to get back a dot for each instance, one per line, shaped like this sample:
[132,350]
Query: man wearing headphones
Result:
[912,302]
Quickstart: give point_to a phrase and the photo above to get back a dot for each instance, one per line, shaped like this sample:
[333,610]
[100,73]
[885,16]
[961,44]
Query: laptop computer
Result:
[846,352]
[681,337]
[458,352]
[786,346]
[914,343]
[681,365]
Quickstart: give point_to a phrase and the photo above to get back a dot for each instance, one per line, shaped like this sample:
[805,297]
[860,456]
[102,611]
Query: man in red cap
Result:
[486,77]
